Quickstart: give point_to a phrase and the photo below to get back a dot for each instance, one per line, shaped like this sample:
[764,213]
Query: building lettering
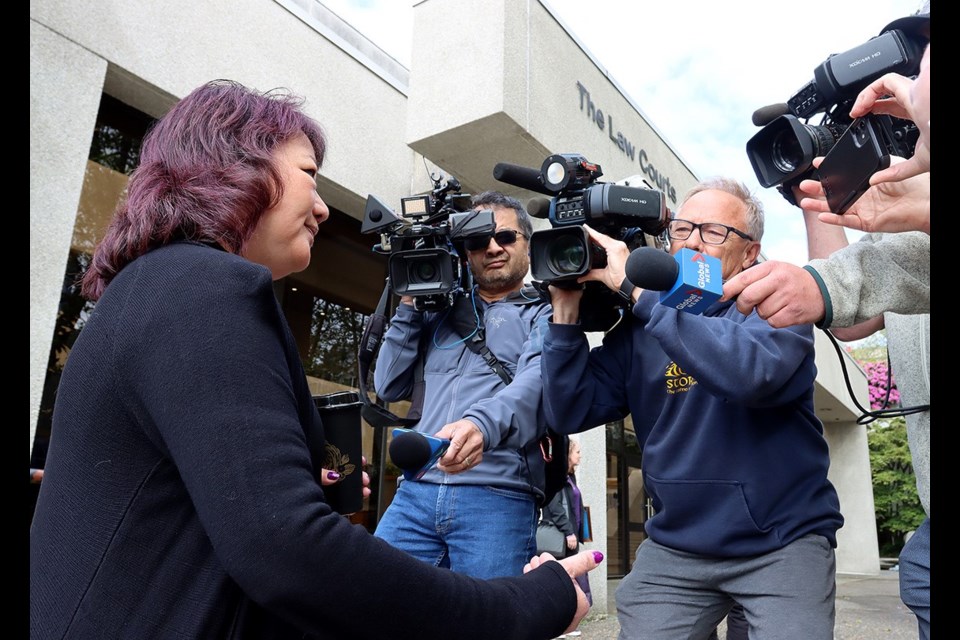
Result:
[621,140]
[657,179]
[605,121]
[592,112]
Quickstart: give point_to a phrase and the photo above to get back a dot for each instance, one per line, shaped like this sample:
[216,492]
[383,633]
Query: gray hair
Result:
[739,191]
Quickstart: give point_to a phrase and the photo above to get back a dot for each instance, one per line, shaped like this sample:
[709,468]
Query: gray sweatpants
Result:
[786,594]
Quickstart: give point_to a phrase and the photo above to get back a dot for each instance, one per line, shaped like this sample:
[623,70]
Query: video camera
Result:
[782,152]
[425,245]
[560,255]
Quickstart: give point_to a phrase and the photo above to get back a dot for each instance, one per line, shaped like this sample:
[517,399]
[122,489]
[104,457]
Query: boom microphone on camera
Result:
[765,115]
[539,208]
[415,452]
[523,177]
[690,281]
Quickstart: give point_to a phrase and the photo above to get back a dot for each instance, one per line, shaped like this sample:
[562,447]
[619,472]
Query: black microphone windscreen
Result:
[410,451]
[523,177]
[765,115]
[539,207]
[651,268]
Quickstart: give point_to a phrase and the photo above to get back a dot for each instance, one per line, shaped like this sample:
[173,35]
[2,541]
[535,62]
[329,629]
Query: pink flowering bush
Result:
[877,376]
[896,504]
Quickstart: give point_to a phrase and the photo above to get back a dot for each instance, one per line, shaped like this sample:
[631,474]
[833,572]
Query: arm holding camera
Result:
[901,97]
[896,206]
[823,240]
[614,272]
[396,363]
[566,302]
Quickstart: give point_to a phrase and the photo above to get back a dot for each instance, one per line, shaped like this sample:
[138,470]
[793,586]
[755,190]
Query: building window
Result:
[114,153]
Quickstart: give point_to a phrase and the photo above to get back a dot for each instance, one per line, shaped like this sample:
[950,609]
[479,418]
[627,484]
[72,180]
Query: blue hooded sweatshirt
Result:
[734,457]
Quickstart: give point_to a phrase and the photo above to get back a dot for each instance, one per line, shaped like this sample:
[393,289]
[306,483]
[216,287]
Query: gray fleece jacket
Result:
[887,273]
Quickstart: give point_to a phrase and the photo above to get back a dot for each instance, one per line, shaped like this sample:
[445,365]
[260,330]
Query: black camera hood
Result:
[378,217]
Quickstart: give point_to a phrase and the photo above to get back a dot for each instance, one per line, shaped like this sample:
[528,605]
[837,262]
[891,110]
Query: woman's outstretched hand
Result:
[576,565]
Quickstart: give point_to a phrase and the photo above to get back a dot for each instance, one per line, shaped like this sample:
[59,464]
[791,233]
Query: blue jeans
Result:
[480,531]
[915,577]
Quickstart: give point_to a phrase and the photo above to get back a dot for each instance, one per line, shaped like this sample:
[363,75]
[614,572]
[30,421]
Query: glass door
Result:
[627,503]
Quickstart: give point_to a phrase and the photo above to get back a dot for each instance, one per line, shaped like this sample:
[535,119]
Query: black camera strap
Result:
[552,447]
[373,413]
[468,323]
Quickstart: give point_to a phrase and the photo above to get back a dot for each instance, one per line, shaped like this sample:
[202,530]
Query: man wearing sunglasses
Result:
[476,510]
[734,458]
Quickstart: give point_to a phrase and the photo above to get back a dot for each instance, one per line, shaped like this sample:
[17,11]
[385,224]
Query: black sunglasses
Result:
[502,237]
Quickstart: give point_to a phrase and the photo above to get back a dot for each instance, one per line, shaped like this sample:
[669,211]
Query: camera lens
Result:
[566,255]
[423,271]
[786,152]
[784,149]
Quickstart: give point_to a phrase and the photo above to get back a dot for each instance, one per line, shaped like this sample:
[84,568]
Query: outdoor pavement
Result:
[868,608]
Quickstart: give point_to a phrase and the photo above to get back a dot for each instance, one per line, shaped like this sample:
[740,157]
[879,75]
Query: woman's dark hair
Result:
[206,173]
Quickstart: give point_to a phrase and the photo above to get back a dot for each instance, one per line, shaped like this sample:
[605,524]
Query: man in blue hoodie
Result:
[476,511]
[734,459]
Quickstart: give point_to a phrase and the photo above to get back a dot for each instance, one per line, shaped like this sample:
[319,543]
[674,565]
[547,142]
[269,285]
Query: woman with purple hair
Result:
[179,499]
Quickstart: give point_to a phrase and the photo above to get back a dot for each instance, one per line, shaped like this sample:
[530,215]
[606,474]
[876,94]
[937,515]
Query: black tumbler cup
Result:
[342,453]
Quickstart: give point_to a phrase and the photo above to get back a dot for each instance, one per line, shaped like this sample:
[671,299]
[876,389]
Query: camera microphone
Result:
[539,207]
[415,452]
[765,115]
[690,281]
[523,177]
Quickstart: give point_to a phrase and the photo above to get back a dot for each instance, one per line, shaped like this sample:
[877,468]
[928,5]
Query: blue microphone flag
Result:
[699,282]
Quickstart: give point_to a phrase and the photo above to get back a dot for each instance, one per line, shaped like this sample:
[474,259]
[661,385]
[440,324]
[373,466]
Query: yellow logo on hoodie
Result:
[677,380]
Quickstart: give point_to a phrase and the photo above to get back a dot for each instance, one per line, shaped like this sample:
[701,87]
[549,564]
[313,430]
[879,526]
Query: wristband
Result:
[626,290]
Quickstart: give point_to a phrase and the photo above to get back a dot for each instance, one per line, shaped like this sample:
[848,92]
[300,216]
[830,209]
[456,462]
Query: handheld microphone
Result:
[690,281]
[523,177]
[415,452]
[765,115]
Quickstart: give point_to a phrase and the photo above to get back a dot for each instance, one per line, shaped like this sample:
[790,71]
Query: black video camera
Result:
[560,255]
[425,245]
[782,152]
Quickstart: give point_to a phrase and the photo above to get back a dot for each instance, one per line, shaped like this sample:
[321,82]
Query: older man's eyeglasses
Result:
[503,238]
[710,232]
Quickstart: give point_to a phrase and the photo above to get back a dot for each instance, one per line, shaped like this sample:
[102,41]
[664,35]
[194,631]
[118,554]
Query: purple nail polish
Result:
[597,557]
[333,475]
